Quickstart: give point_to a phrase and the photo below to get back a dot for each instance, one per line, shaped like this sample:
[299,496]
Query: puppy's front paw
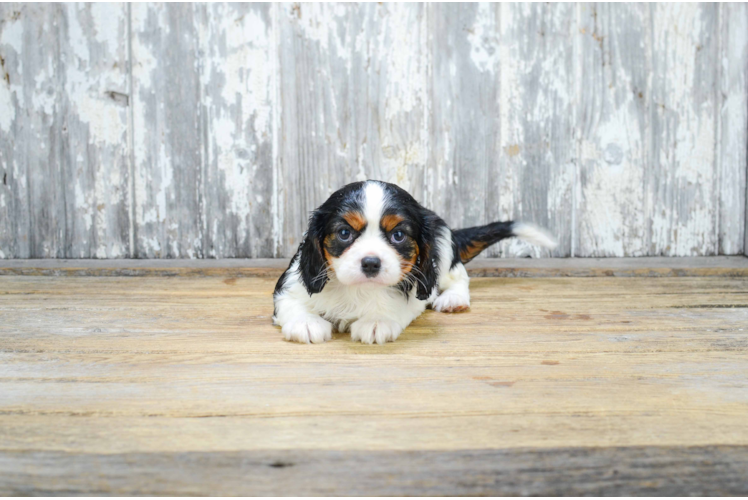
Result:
[307,328]
[379,331]
[451,301]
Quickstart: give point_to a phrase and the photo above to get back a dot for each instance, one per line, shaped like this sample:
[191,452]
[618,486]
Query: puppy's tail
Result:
[473,240]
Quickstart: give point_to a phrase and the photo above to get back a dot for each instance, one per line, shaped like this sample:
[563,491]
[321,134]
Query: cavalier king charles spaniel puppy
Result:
[371,261]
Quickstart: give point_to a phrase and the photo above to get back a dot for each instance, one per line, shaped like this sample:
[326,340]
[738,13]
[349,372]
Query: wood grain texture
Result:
[389,94]
[683,171]
[614,144]
[537,85]
[211,131]
[630,471]
[463,173]
[313,51]
[167,132]
[237,103]
[94,152]
[653,267]
[353,94]
[29,140]
[64,131]
[115,384]
[733,129]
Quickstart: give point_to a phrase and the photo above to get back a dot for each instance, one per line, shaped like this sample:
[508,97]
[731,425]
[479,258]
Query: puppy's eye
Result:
[344,234]
[397,237]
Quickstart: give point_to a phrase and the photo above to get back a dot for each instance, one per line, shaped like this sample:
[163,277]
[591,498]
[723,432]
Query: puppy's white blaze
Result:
[374,199]
[534,234]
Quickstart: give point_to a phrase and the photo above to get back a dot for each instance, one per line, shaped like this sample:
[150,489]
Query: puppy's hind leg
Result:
[454,292]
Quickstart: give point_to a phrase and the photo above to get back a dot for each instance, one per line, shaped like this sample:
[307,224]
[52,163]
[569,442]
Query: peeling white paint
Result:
[732,136]
[12,34]
[484,39]
[107,25]
[611,204]
[318,23]
[44,96]
[11,39]
[276,184]
[404,88]
[684,214]
[658,173]
[7,109]
[104,118]
[246,67]
[237,81]
[145,63]
[77,40]
[613,219]
[83,208]
[404,95]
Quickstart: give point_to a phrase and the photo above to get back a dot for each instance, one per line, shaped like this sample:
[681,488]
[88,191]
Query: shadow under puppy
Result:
[371,261]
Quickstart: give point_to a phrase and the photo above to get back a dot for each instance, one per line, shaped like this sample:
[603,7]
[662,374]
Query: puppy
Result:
[371,261]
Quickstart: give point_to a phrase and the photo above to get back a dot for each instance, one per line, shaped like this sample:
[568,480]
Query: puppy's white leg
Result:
[454,290]
[298,324]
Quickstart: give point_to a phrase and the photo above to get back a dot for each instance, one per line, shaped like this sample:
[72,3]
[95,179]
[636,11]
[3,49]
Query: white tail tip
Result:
[534,234]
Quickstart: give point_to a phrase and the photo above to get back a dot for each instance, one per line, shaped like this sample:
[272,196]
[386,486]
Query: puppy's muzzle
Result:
[371,266]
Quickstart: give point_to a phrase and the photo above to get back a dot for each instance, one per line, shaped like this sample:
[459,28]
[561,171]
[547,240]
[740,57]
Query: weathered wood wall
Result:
[171,130]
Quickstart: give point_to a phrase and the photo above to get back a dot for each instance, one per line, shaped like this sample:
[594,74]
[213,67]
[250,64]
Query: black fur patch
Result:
[469,242]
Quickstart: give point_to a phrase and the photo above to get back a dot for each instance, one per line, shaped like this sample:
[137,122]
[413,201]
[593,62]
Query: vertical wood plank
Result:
[732,143]
[682,183]
[313,143]
[537,97]
[462,183]
[615,71]
[389,94]
[352,85]
[30,102]
[94,126]
[63,101]
[237,101]
[167,132]
[14,203]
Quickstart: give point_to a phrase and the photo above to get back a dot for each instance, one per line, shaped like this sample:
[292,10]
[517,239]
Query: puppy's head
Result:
[371,234]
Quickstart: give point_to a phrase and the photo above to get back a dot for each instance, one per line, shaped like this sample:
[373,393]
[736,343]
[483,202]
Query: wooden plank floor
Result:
[180,385]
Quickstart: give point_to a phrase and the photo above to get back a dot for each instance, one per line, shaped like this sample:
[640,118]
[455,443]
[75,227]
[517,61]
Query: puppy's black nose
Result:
[370,266]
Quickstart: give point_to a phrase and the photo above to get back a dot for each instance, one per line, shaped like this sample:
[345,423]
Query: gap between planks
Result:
[653,267]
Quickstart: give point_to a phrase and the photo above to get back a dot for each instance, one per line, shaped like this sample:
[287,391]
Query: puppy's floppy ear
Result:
[428,255]
[312,263]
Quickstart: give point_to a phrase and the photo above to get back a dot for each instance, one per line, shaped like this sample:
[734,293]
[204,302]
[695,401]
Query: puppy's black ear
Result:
[428,255]
[312,263]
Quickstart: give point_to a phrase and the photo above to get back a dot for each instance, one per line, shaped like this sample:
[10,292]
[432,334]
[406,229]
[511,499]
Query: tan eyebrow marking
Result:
[355,220]
[389,222]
